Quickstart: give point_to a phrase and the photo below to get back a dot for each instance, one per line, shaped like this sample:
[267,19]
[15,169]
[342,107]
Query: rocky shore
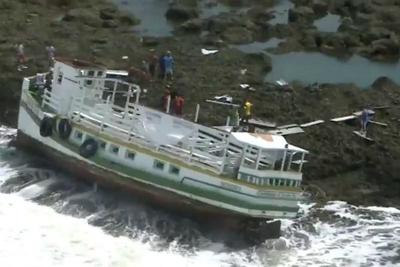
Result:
[341,165]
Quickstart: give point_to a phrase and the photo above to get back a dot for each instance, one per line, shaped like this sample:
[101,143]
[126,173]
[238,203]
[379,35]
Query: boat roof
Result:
[81,64]
[266,141]
[117,72]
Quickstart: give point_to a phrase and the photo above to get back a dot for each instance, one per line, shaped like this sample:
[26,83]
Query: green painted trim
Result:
[234,191]
[287,188]
[165,182]
[174,161]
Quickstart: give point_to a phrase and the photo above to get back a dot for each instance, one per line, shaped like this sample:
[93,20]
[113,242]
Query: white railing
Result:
[126,124]
[28,99]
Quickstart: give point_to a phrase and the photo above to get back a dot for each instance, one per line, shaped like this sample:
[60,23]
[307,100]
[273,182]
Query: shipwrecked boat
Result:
[95,127]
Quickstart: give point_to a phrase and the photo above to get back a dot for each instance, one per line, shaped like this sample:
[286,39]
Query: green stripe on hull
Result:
[165,182]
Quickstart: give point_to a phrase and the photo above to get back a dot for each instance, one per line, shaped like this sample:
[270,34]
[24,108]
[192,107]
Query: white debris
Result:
[208,52]
[282,82]
[224,98]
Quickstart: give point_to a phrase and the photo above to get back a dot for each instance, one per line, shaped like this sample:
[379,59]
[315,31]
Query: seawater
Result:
[47,218]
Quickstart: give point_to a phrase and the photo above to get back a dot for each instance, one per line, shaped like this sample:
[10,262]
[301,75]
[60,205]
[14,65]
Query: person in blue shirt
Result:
[161,66]
[168,66]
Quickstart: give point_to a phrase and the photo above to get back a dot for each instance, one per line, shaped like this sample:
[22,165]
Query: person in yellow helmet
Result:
[247,110]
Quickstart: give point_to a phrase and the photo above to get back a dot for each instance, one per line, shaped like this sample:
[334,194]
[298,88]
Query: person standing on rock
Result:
[365,118]
[166,98]
[169,65]
[161,66]
[152,59]
[21,59]
[247,113]
[178,103]
[51,51]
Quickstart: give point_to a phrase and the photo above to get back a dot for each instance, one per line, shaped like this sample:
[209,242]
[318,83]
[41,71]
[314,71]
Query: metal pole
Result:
[137,95]
[168,103]
[301,163]
[228,120]
[283,160]
[196,117]
[290,160]
[114,91]
[258,158]
[127,101]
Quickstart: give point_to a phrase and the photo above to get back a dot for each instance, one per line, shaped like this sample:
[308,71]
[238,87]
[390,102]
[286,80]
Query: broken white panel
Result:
[312,123]
[208,52]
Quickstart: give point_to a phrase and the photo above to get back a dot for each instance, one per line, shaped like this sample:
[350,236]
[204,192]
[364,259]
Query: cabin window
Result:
[99,73]
[90,73]
[88,82]
[102,145]
[59,77]
[288,182]
[276,182]
[281,182]
[78,135]
[158,165]
[130,155]
[114,149]
[174,170]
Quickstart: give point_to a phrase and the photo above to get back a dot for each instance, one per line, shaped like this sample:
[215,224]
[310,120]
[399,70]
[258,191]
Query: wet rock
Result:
[347,25]
[99,40]
[308,40]
[383,82]
[320,7]
[181,13]
[128,19]
[260,16]
[237,35]
[192,25]
[63,3]
[351,40]
[375,33]
[5,5]
[262,59]
[109,24]
[212,40]
[108,13]
[363,18]
[385,47]
[301,14]
[83,15]
[150,41]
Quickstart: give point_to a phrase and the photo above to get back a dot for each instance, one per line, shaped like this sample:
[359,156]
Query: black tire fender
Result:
[64,128]
[46,127]
[88,148]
